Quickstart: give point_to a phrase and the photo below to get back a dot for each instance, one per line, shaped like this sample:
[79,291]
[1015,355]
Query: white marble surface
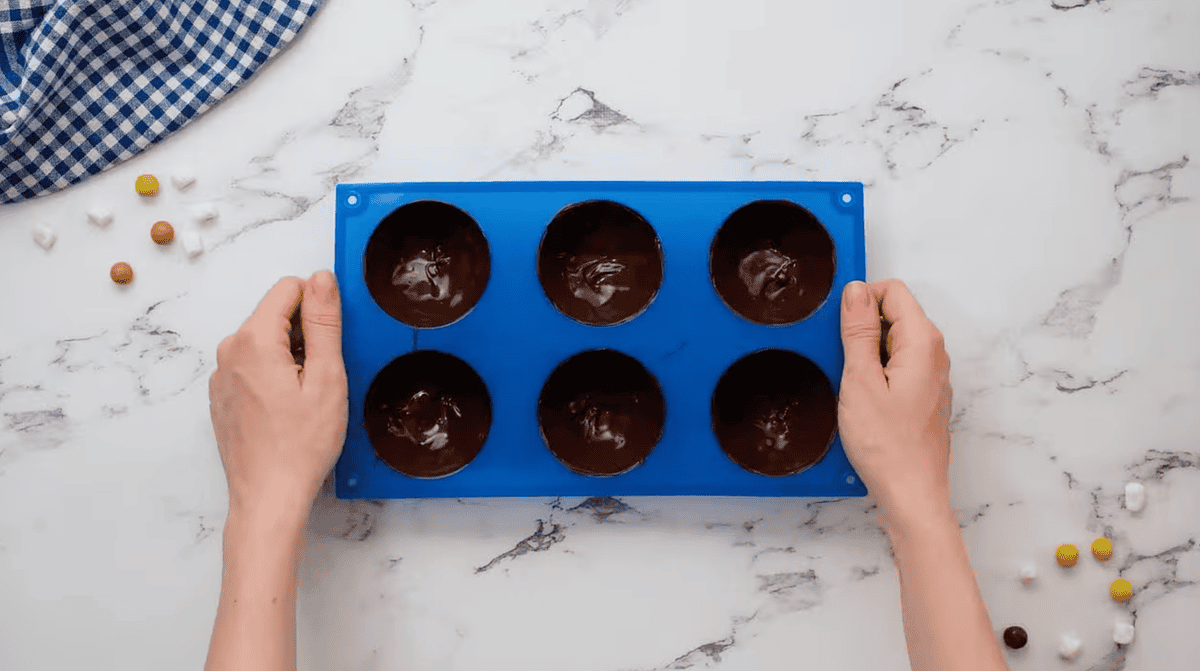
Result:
[1033,171]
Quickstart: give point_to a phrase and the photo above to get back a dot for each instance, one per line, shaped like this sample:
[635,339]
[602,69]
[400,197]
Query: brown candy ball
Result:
[1015,638]
[162,232]
[121,273]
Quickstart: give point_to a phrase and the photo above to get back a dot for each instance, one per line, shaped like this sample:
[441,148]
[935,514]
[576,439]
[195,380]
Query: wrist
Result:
[918,514]
[278,519]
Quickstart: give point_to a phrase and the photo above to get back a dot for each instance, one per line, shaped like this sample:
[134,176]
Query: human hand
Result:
[894,419]
[280,425]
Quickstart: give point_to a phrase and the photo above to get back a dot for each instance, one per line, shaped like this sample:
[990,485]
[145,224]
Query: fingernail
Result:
[326,286]
[855,292]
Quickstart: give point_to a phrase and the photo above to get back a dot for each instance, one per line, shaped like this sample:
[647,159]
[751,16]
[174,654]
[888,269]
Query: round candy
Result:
[1015,638]
[146,185]
[121,273]
[162,233]
[1067,555]
[1122,590]
[1102,548]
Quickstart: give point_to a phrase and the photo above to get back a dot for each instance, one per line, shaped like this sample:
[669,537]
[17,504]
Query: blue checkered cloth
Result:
[85,84]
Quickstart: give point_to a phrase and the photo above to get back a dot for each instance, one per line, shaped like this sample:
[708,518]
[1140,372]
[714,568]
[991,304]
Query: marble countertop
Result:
[1032,171]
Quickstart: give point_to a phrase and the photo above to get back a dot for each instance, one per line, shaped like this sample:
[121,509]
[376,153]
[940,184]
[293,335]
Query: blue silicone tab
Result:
[514,337]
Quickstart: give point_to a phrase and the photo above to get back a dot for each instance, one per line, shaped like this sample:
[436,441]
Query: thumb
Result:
[861,331]
[321,316]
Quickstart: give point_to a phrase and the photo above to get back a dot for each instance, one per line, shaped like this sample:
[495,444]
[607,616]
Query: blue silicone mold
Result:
[514,337]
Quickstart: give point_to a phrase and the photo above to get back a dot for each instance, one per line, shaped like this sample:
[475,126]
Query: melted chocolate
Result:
[601,412]
[428,414]
[772,262]
[427,264]
[600,263]
[774,412]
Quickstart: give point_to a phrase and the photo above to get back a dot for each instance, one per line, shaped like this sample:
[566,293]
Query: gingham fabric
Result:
[85,84]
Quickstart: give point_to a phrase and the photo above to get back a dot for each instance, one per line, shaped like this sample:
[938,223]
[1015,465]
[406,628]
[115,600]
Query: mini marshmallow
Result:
[183,180]
[1028,572]
[193,244]
[44,236]
[1070,647]
[1135,496]
[205,212]
[100,216]
[1123,633]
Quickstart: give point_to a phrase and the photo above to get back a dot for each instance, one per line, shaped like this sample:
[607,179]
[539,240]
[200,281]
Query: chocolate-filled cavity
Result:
[772,262]
[774,412]
[600,263]
[428,414]
[601,412]
[427,264]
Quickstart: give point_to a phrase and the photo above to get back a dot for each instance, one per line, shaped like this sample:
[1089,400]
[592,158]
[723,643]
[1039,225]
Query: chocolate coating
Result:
[601,412]
[1015,638]
[774,412]
[772,262]
[427,264]
[600,263]
[428,414]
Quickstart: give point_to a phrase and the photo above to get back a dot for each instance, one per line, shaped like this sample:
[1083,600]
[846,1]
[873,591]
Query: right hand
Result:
[895,420]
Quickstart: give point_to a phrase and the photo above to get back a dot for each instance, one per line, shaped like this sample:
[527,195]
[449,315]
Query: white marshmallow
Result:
[100,216]
[1123,633]
[1028,572]
[1070,647]
[183,180]
[1135,496]
[205,212]
[193,244]
[44,236]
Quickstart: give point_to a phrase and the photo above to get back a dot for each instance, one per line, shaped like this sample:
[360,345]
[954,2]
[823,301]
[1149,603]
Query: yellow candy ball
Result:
[1067,555]
[1102,548]
[146,185]
[1122,590]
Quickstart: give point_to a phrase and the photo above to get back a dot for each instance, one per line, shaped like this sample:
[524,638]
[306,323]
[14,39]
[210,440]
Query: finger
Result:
[321,316]
[898,302]
[910,329]
[270,319]
[860,332]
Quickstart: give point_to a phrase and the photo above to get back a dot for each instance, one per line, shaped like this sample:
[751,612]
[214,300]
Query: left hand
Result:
[280,426]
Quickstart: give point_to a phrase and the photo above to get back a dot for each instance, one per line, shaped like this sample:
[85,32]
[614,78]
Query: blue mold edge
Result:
[686,338]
